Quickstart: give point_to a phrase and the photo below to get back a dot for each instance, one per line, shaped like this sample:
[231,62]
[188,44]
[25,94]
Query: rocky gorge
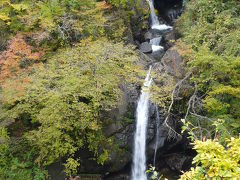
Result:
[119,89]
[174,154]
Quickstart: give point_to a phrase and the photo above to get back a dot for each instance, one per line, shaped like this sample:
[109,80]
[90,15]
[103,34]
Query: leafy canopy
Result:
[67,96]
[212,30]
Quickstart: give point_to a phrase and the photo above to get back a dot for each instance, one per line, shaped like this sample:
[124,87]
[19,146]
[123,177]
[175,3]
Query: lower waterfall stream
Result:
[139,157]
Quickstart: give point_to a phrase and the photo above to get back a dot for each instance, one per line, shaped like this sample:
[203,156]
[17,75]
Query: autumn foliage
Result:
[17,62]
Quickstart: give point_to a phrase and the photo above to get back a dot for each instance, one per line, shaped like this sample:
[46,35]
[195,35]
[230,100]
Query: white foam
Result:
[161,27]
[157,48]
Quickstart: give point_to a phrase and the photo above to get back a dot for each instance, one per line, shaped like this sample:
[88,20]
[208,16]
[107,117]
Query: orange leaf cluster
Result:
[18,52]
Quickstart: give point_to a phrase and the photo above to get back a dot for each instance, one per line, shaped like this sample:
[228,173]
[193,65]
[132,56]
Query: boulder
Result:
[151,34]
[145,47]
[144,59]
[157,55]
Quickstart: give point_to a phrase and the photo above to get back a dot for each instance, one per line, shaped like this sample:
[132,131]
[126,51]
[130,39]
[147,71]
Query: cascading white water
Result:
[157,135]
[155,42]
[155,22]
[139,157]
[154,18]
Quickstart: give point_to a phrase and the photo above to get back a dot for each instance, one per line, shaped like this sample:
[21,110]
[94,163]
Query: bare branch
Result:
[172,133]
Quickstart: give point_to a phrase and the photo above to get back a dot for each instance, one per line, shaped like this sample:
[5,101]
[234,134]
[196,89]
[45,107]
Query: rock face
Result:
[120,127]
[173,63]
[176,162]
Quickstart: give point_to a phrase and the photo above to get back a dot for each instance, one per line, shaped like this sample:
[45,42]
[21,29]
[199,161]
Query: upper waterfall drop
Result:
[155,22]
[139,156]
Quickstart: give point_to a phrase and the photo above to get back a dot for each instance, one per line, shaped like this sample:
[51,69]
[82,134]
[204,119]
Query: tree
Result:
[67,97]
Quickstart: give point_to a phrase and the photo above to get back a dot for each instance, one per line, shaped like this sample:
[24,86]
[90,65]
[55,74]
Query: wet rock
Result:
[148,35]
[145,47]
[151,34]
[173,14]
[162,137]
[169,9]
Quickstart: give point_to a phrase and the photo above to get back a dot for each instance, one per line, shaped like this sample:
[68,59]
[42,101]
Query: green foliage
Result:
[62,105]
[214,161]
[67,97]
[190,128]
[64,21]
[71,166]
[219,77]
[212,29]
[12,167]
[214,24]
[122,3]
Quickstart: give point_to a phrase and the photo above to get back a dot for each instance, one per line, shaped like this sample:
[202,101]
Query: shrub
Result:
[215,161]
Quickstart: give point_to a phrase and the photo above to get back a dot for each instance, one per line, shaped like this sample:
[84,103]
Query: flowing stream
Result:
[139,156]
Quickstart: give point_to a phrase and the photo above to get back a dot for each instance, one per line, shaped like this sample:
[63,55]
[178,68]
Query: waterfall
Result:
[155,22]
[139,157]
[157,135]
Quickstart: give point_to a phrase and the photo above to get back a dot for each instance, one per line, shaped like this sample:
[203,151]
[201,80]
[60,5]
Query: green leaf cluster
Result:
[214,24]
[214,161]
[63,21]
